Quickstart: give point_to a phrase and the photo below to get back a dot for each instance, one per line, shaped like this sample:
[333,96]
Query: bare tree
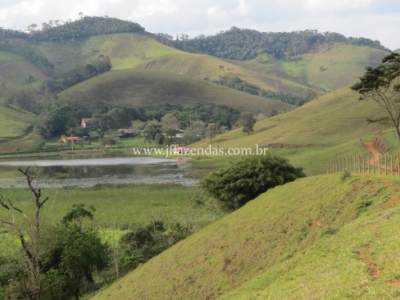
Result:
[29,284]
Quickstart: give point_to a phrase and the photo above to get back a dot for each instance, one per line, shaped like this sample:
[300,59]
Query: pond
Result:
[87,172]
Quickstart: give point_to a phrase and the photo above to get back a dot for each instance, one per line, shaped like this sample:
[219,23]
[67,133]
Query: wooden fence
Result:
[370,164]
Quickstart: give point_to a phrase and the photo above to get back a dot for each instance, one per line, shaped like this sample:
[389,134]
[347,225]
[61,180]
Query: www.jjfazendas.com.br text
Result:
[174,150]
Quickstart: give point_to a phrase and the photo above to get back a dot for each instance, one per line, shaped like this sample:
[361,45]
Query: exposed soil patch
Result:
[395,283]
[151,65]
[391,202]
[376,154]
[314,224]
[372,267]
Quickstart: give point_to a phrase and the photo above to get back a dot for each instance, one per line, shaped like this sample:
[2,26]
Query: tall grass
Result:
[120,207]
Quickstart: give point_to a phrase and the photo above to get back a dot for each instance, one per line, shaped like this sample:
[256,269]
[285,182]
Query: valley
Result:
[77,98]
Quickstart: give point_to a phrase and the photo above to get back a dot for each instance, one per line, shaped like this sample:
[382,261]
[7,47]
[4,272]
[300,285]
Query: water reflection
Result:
[86,172]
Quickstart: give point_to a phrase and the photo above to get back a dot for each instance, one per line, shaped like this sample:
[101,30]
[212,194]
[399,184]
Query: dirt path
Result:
[374,151]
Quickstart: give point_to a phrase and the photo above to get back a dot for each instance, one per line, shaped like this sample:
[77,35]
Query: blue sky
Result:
[377,20]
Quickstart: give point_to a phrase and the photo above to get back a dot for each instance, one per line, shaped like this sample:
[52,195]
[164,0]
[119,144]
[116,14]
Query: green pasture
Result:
[120,206]
[322,67]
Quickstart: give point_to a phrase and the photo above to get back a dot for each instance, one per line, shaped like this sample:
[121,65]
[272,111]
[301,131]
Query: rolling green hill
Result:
[322,68]
[148,73]
[142,88]
[333,66]
[143,51]
[320,237]
[15,130]
[14,70]
[313,134]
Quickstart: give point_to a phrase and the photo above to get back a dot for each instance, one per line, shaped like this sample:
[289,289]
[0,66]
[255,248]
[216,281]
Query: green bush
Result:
[248,178]
[61,176]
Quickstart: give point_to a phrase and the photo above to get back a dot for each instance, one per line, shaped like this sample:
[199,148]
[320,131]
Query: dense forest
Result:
[60,31]
[246,44]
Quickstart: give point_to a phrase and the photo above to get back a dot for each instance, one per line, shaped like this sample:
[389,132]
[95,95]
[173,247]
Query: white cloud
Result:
[336,5]
[243,8]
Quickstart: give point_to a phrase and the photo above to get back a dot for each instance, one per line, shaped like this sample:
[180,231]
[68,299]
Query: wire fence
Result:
[370,164]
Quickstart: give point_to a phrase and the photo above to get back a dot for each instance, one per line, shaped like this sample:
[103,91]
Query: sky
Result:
[374,19]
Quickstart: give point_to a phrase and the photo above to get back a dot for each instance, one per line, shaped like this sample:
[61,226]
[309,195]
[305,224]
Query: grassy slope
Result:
[142,51]
[347,60]
[318,237]
[14,70]
[13,123]
[149,87]
[317,132]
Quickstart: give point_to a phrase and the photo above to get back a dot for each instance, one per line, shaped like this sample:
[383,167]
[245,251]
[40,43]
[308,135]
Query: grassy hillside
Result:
[319,237]
[313,134]
[14,70]
[149,87]
[141,50]
[323,67]
[13,124]
[330,67]
[15,130]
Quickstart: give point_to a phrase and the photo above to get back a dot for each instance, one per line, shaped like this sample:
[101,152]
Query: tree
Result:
[382,85]
[56,120]
[151,130]
[244,180]
[247,121]
[76,253]
[211,131]
[29,281]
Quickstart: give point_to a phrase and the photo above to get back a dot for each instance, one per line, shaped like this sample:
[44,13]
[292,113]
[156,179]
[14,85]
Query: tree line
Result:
[78,74]
[64,31]
[238,84]
[246,44]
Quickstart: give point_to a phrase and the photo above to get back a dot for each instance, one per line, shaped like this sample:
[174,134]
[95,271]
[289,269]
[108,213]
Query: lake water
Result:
[87,172]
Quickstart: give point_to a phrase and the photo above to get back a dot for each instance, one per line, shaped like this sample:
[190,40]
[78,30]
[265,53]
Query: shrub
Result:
[61,176]
[248,178]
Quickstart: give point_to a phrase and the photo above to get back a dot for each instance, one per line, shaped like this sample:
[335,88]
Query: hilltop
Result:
[316,237]
[131,88]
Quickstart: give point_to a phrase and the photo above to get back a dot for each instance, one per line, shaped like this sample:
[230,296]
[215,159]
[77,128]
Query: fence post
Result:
[398,165]
[363,163]
[373,164]
[379,164]
[391,164]
[385,164]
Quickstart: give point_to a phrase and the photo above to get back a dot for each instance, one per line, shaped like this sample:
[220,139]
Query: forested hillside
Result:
[246,44]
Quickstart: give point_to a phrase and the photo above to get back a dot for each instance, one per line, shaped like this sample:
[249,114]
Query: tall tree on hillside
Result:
[382,85]
[247,121]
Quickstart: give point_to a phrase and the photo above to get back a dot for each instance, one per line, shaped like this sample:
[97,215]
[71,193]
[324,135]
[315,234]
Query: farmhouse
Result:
[182,150]
[71,139]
